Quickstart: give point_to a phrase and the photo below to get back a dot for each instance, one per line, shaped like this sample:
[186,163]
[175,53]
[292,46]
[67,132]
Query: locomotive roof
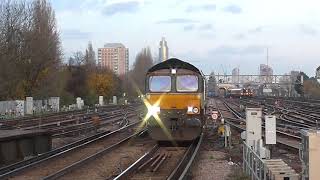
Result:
[174,63]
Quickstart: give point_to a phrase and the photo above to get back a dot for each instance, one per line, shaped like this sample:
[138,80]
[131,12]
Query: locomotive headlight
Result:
[154,110]
[195,110]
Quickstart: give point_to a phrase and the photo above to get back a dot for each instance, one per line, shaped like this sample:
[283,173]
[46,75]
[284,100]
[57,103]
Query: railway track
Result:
[70,126]
[163,163]
[88,126]
[63,159]
[64,117]
[284,138]
[292,118]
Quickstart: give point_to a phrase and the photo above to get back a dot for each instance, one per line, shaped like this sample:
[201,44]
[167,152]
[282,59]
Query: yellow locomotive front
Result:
[175,94]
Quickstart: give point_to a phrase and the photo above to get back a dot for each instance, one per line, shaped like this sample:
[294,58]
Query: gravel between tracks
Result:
[58,142]
[211,166]
[112,163]
[175,155]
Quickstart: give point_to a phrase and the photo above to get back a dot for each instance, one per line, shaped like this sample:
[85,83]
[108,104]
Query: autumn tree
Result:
[311,88]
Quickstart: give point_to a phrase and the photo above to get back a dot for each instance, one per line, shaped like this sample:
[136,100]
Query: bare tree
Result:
[77,59]
[15,23]
[30,49]
[142,64]
[45,47]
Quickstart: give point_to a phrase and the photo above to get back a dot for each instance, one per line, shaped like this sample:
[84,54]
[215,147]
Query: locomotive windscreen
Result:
[160,83]
[187,83]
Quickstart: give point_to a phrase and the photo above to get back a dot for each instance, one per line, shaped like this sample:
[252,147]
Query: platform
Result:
[16,145]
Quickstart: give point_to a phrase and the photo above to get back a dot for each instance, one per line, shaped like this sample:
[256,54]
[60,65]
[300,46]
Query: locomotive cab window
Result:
[187,83]
[160,83]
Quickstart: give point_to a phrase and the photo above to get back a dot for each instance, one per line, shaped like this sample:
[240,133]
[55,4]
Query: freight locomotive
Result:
[175,99]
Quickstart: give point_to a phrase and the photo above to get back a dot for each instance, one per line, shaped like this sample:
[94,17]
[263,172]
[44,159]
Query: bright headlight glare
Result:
[190,108]
[154,110]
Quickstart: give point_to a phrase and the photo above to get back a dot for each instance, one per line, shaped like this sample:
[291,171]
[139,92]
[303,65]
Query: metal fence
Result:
[253,165]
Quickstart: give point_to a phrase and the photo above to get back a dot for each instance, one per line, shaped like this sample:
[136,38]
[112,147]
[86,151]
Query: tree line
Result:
[30,49]
[31,60]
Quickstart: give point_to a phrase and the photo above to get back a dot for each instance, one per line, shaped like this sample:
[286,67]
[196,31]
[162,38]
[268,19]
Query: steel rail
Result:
[21,166]
[183,167]
[89,126]
[126,173]
[94,156]
[279,139]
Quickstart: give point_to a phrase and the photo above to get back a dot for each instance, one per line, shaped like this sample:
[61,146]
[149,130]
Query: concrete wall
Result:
[18,108]
[18,149]
[12,108]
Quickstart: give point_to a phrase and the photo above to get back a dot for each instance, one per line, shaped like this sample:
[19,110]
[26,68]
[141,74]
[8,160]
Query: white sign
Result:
[271,131]
[267,90]
[214,116]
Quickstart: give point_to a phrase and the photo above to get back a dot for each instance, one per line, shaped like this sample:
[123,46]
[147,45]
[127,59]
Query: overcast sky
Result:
[214,35]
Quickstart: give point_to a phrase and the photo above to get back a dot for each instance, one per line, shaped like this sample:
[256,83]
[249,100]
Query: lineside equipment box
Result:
[310,154]
[253,126]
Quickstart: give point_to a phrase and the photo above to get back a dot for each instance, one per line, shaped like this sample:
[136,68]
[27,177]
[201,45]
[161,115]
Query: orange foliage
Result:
[101,83]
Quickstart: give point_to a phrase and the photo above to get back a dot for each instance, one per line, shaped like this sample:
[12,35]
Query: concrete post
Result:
[29,105]
[114,100]
[79,103]
[54,103]
[101,103]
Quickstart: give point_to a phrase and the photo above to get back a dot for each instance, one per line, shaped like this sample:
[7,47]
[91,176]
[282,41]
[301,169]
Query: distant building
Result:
[294,75]
[114,56]
[266,73]
[235,75]
[163,50]
[265,70]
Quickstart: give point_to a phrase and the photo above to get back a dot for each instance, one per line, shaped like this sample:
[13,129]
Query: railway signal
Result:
[215,116]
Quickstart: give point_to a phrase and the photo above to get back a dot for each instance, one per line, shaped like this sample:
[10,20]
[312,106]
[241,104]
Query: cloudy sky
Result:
[214,35]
